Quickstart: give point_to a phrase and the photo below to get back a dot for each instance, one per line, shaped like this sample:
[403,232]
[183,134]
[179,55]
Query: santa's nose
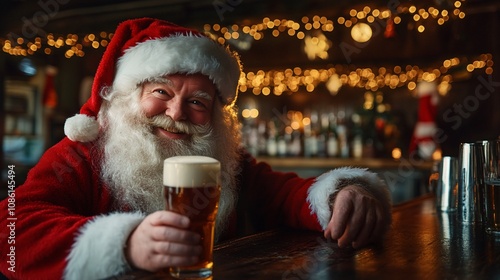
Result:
[175,110]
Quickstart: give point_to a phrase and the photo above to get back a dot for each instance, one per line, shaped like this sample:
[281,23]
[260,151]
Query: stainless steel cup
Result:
[492,187]
[470,183]
[447,184]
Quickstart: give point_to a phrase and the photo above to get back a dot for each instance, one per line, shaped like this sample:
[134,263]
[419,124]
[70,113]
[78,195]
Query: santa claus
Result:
[92,207]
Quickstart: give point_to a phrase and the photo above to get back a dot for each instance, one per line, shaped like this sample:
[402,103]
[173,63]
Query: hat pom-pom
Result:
[81,128]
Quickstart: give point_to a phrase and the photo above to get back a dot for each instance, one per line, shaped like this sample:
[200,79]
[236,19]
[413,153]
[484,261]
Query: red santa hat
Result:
[146,48]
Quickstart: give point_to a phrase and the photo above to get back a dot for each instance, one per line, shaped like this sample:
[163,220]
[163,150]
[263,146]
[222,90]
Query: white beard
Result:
[132,165]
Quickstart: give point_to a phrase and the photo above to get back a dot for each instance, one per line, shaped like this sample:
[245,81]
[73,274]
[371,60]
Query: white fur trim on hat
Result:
[81,128]
[425,129]
[328,183]
[179,53]
[426,88]
[98,252]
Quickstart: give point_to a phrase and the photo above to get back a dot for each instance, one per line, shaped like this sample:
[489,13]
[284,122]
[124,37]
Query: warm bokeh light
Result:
[372,79]
[256,30]
[396,153]
[437,155]
[245,113]
[250,113]
[306,121]
[313,31]
[295,125]
[254,113]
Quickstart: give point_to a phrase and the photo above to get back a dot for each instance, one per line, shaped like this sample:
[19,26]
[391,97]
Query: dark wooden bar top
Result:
[329,163]
[421,244]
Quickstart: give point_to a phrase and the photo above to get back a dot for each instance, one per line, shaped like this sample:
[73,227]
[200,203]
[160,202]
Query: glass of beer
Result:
[492,185]
[192,188]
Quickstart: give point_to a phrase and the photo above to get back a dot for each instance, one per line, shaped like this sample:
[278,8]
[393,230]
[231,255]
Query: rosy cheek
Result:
[200,118]
[152,107]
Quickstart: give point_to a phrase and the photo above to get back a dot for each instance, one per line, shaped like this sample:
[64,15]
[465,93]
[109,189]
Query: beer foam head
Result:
[191,171]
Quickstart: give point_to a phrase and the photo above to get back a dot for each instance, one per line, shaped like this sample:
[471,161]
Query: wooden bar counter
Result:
[421,244]
[329,163]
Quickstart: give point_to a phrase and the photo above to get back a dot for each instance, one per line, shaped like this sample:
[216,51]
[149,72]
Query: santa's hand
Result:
[357,218]
[162,240]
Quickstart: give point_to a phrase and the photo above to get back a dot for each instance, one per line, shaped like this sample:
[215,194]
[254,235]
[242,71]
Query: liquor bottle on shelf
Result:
[342,134]
[357,139]
[313,144]
[332,145]
[251,137]
[281,146]
[295,148]
[311,136]
[323,135]
[271,143]
[308,141]
[283,142]
[262,135]
[357,147]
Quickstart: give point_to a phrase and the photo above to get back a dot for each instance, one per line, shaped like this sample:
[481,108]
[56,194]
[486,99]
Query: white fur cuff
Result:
[98,251]
[329,183]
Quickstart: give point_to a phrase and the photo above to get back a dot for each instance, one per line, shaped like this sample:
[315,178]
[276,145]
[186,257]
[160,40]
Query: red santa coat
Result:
[67,227]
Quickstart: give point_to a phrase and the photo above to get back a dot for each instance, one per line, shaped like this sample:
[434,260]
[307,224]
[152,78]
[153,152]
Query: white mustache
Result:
[166,123]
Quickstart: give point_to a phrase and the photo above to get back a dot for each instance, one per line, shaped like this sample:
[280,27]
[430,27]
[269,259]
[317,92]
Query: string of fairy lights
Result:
[289,80]
[299,29]
[73,44]
[279,81]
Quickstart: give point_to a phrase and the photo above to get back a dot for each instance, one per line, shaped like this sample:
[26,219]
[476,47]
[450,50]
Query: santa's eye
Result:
[199,104]
[161,93]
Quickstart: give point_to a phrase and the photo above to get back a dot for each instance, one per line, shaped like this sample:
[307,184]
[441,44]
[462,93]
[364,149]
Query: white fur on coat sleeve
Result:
[328,183]
[98,251]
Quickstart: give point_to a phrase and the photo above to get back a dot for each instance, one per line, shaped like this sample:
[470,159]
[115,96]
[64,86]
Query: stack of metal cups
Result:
[446,182]
[470,209]
[471,186]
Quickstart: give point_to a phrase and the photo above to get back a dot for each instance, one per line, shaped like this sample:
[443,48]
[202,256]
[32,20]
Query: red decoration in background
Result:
[49,92]
[422,141]
[390,30]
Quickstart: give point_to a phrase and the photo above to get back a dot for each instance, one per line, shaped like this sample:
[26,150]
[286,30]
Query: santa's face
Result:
[143,128]
[183,98]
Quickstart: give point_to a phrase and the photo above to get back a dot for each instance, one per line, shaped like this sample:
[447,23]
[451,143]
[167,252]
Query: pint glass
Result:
[492,187]
[192,188]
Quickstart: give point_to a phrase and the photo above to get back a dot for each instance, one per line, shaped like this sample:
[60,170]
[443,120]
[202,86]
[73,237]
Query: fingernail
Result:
[185,221]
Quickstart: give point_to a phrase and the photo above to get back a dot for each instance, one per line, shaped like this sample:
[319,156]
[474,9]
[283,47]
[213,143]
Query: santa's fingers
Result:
[172,234]
[168,218]
[341,216]
[367,230]
[157,262]
[176,249]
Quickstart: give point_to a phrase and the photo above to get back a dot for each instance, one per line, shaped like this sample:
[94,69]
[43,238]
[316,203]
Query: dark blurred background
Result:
[42,83]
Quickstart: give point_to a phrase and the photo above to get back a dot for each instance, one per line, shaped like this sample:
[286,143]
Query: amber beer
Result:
[492,209]
[192,188]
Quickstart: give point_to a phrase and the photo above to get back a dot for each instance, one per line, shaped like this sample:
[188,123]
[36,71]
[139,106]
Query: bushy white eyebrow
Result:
[166,81]
[202,94]
[159,80]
